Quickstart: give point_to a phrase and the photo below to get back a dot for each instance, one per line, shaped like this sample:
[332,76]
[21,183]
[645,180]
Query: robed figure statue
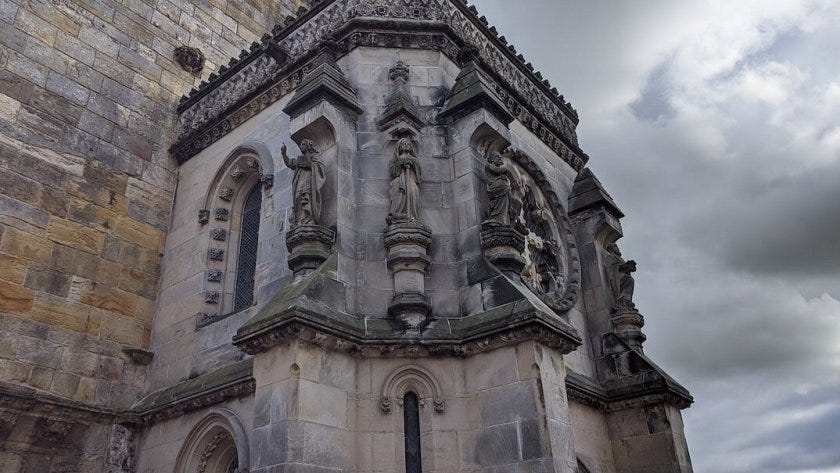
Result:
[307,182]
[405,184]
[502,188]
[621,280]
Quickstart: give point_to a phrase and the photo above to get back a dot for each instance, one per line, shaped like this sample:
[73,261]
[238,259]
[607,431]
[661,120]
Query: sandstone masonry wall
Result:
[88,91]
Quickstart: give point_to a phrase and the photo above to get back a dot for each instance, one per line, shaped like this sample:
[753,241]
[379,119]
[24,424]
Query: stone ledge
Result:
[305,310]
[228,382]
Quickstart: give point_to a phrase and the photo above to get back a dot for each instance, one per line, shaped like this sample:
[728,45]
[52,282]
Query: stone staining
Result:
[190,59]
[627,320]
[407,239]
[309,242]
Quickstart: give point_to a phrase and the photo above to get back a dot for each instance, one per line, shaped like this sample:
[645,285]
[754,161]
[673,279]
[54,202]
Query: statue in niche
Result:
[621,280]
[502,190]
[307,182]
[404,189]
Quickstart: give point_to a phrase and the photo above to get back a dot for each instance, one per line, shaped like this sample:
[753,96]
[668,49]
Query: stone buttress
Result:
[437,285]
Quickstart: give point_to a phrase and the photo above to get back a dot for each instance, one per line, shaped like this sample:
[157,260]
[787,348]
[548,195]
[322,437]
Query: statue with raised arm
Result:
[307,182]
[404,189]
[502,187]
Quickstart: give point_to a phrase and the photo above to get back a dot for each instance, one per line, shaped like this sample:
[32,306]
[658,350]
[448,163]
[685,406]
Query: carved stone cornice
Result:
[229,382]
[408,233]
[619,396]
[239,90]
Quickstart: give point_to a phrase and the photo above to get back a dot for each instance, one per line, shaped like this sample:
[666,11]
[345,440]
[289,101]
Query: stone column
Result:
[407,244]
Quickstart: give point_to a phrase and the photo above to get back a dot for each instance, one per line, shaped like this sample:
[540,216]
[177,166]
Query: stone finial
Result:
[399,73]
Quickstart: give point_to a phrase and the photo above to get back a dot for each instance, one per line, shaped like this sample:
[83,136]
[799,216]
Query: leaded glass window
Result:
[411,412]
[243,295]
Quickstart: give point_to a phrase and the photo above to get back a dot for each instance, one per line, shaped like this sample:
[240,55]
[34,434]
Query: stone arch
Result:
[247,166]
[411,378]
[213,446]
[562,290]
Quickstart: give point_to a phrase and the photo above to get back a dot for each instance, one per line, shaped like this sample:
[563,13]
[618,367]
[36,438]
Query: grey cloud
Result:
[786,226]
[653,104]
[733,216]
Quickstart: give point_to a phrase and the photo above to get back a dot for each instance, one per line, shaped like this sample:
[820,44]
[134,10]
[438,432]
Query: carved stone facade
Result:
[426,235]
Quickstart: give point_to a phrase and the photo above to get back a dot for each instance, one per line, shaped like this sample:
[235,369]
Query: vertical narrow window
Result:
[249,234]
[411,411]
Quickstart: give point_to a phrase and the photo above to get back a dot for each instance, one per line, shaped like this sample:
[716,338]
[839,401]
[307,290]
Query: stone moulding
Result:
[413,378]
[230,382]
[612,396]
[309,246]
[256,80]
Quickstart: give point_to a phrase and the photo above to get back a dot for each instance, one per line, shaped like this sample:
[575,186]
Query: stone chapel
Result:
[366,243]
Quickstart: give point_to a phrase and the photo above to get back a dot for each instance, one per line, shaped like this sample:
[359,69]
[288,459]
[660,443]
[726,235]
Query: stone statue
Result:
[308,180]
[502,187]
[621,280]
[405,184]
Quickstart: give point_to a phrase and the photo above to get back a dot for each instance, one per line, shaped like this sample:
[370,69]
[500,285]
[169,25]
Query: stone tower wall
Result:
[88,91]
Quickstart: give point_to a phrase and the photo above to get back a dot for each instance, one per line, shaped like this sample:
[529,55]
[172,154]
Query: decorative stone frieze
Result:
[121,448]
[221,214]
[203,216]
[214,275]
[209,113]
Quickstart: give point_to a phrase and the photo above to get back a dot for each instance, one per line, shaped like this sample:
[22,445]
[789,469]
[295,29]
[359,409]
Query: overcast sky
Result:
[716,127]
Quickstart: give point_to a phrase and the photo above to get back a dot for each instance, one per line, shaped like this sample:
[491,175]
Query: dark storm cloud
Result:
[785,226]
[716,126]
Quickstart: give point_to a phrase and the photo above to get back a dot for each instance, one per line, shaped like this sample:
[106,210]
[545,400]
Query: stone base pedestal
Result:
[309,246]
[503,246]
[628,325]
[407,244]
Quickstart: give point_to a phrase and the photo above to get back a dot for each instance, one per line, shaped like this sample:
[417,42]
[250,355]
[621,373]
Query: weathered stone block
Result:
[14,298]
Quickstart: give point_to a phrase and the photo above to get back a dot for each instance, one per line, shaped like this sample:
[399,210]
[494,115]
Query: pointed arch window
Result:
[243,295]
[411,413]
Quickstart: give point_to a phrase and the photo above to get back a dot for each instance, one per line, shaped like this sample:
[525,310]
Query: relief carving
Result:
[309,178]
[190,59]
